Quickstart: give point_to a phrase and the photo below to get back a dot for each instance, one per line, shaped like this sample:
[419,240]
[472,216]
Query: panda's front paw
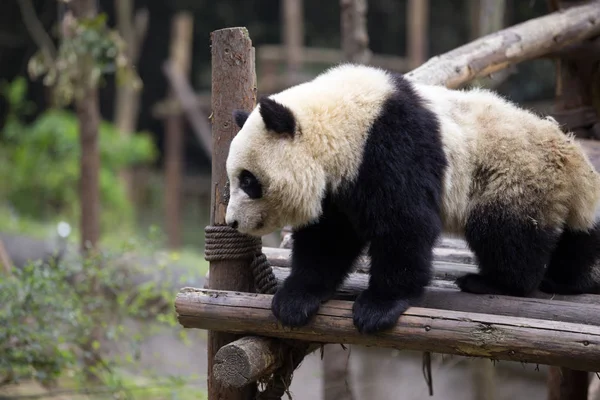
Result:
[373,314]
[472,283]
[294,308]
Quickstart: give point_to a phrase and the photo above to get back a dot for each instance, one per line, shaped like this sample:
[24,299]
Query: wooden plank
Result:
[417,21]
[233,87]
[441,256]
[583,309]
[180,56]
[318,55]
[354,32]
[421,329]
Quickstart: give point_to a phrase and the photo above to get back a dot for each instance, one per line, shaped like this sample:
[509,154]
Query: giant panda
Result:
[360,156]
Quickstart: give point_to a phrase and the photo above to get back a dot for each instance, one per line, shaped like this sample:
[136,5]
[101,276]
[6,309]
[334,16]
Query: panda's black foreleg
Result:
[511,251]
[322,256]
[400,270]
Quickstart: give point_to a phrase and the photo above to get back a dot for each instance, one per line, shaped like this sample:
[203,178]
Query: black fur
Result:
[277,117]
[394,205]
[321,259]
[512,252]
[250,184]
[570,269]
[240,117]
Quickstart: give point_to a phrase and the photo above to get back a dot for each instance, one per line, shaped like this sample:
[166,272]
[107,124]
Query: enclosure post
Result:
[233,87]
[180,48]
[574,82]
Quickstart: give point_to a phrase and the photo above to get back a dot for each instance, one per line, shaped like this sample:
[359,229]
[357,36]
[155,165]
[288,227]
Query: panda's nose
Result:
[234,224]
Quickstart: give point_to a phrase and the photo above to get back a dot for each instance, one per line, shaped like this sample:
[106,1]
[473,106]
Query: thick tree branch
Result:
[512,45]
[36,30]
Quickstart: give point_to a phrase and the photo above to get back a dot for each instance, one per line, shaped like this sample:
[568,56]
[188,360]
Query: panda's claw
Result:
[373,314]
[294,308]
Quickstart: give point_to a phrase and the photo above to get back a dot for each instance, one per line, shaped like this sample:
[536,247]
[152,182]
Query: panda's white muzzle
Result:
[245,214]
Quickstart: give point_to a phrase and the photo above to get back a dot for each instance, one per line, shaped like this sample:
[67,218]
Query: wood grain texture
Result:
[242,362]
[233,86]
[521,42]
[441,295]
[422,329]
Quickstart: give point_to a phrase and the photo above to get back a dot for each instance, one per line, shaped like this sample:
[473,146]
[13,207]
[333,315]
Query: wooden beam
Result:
[567,384]
[417,20]
[243,362]
[317,55]
[499,50]
[233,87]
[180,56]
[444,295]
[441,257]
[293,38]
[354,33]
[421,329]
[188,101]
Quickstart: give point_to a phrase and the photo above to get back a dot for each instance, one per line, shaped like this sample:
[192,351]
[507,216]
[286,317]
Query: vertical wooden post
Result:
[355,36]
[181,40]
[417,16]
[573,89]
[233,87]
[567,384]
[293,37]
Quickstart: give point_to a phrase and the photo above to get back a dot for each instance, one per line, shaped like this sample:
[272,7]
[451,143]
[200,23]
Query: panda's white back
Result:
[535,165]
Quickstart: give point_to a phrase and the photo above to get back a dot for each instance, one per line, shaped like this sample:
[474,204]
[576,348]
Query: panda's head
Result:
[274,177]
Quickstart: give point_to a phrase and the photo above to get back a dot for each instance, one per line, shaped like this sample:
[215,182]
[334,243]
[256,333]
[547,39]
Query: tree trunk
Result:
[88,114]
[181,43]
[133,30]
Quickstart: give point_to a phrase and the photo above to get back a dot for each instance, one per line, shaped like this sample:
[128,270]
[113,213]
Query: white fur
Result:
[334,113]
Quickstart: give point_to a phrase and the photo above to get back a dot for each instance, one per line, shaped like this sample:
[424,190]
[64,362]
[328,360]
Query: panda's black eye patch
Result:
[250,185]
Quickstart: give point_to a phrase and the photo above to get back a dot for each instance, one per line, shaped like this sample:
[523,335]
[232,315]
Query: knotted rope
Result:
[225,243]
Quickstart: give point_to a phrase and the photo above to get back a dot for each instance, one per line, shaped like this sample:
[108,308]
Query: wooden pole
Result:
[418,30]
[293,37]
[233,87]
[355,36]
[574,80]
[181,42]
[567,384]
[573,345]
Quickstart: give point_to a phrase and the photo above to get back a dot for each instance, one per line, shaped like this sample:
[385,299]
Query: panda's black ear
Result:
[240,117]
[277,117]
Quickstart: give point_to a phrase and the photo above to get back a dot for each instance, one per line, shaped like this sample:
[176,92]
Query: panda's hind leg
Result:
[573,265]
[511,251]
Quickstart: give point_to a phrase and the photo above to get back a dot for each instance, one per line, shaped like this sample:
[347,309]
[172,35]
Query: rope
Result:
[225,243]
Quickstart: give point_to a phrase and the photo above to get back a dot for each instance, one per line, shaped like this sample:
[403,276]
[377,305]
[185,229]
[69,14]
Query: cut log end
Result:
[245,361]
